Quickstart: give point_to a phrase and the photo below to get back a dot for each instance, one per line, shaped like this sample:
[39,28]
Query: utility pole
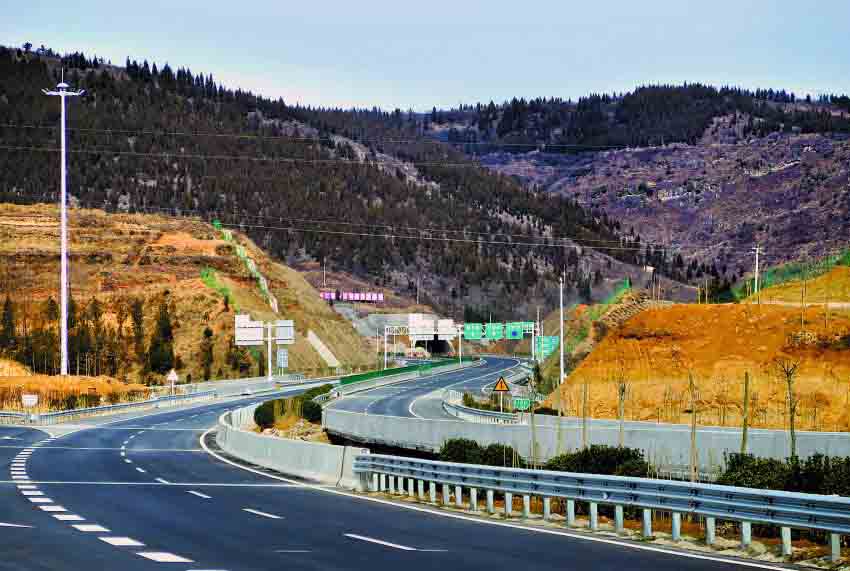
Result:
[62,92]
[561,378]
[757,251]
[324,272]
[417,290]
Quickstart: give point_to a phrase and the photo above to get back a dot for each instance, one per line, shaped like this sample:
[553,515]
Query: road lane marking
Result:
[127,461]
[40,500]
[53,508]
[32,493]
[122,541]
[199,494]
[141,470]
[26,487]
[163,557]
[123,454]
[379,542]
[292,551]
[90,528]
[69,517]
[162,481]
[262,514]
[12,525]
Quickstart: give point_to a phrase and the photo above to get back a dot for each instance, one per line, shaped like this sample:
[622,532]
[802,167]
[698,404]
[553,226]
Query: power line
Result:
[313,139]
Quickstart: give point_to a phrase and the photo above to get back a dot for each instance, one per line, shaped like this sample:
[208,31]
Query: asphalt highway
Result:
[413,398]
[141,493]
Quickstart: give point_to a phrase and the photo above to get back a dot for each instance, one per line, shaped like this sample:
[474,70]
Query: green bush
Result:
[311,411]
[499,455]
[549,411]
[264,415]
[817,474]
[606,460]
[461,450]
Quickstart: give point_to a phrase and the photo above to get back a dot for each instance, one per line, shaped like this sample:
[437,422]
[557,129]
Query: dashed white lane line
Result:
[27,486]
[40,500]
[53,508]
[163,557]
[262,514]
[127,461]
[162,481]
[21,478]
[69,517]
[199,494]
[141,470]
[122,541]
[90,528]
[32,493]
[123,453]
[380,542]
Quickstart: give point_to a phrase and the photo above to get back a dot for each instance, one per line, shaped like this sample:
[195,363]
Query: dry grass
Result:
[53,391]
[832,287]
[117,257]
[719,344]
[9,368]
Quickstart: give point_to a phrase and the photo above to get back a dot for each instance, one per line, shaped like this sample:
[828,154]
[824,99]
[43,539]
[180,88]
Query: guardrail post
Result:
[593,518]
[646,529]
[459,496]
[618,519]
[421,488]
[375,485]
[786,541]
[571,513]
[473,499]
[746,534]
[392,484]
[526,507]
[547,508]
[490,507]
[677,526]
[710,528]
[509,504]
[834,547]
[383,482]
[432,492]
[410,490]
[446,495]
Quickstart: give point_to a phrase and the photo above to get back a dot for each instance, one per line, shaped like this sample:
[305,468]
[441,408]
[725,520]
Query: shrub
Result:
[745,470]
[264,415]
[311,411]
[606,460]
[546,410]
[461,450]
[499,455]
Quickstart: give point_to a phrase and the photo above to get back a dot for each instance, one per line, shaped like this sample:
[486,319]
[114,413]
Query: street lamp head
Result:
[62,86]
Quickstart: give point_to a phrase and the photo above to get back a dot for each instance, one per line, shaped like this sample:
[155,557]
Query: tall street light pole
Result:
[62,92]
[561,378]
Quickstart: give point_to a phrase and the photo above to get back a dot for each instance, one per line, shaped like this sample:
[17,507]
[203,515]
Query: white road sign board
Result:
[284,331]
[172,376]
[282,359]
[248,331]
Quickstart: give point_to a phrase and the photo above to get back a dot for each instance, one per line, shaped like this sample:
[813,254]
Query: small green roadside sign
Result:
[522,404]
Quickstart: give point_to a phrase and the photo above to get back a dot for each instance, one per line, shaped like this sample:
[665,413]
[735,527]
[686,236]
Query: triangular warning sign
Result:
[501,386]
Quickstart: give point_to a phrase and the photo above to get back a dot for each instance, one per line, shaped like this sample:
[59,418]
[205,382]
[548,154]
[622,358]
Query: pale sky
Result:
[419,54]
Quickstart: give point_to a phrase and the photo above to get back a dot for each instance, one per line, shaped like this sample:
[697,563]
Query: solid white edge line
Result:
[379,542]
[625,544]
[263,514]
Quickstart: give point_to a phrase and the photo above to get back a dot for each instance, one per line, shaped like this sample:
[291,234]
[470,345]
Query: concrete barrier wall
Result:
[322,463]
[666,446]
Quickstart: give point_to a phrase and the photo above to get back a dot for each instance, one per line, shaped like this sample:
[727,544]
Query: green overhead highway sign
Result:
[494,331]
[546,345]
[473,331]
[514,331]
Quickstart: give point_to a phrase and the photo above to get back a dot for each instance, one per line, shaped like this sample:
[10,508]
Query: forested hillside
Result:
[649,115]
[303,183]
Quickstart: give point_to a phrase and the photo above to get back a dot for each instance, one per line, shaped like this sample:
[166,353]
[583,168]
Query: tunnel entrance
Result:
[436,346]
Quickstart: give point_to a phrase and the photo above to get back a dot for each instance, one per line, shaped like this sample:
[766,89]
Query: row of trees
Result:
[29,334]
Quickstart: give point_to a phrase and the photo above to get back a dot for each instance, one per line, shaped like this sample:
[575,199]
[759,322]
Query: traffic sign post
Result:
[501,388]
[255,333]
[522,404]
[172,378]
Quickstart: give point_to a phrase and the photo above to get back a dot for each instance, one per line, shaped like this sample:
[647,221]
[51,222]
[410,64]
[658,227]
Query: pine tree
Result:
[7,326]
[161,352]
[137,314]
[207,353]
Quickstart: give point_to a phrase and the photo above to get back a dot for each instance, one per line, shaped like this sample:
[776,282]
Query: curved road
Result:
[410,398]
[143,494]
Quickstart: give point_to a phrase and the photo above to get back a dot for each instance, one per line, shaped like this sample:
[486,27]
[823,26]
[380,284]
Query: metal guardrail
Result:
[48,418]
[453,405]
[744,505]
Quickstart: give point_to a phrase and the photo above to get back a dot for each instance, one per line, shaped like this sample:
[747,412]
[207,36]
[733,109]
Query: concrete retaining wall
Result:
[322,463]
[666,446]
